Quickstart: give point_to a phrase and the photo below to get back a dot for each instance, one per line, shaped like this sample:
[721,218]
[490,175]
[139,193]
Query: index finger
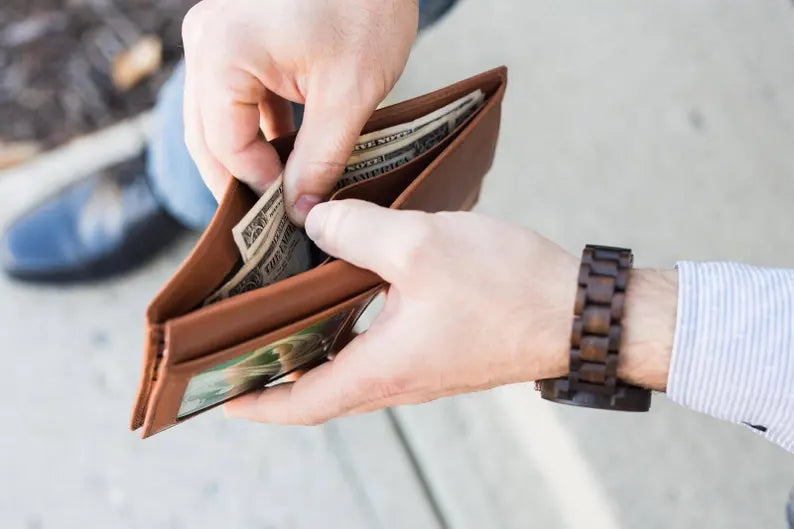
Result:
[231,121]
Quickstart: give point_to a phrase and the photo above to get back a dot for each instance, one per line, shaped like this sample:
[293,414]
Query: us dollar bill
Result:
[285,251]
[255,225]
[372,171]
[369,164]
[389,135]
[424,137]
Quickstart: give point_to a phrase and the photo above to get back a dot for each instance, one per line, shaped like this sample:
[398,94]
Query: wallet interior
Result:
[185,336]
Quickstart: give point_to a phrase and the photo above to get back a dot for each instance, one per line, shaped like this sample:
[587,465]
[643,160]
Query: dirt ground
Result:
[58,57]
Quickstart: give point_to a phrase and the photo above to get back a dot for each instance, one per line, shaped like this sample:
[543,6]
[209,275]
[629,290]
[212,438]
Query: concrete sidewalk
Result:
[664,126]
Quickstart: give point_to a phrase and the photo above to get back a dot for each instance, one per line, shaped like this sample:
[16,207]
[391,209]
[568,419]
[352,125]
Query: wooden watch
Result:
[595,339]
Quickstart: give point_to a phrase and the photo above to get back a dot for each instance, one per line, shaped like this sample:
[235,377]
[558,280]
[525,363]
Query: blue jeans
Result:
[173,176]
[790,510]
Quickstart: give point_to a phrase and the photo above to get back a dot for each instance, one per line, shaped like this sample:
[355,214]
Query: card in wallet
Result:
[198,355]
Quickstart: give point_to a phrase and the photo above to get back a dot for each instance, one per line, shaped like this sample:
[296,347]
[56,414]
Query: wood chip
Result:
[137,62]
[14,153]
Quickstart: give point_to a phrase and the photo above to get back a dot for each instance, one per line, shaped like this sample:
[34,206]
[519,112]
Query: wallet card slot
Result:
[384,189]
[209,262]
[242,317]
[489,82]
[457,175]
[192,387]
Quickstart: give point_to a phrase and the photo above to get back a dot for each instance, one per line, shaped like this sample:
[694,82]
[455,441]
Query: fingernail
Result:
[305,203]
[315,222]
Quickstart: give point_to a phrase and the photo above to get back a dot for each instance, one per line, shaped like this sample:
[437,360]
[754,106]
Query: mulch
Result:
[56,60]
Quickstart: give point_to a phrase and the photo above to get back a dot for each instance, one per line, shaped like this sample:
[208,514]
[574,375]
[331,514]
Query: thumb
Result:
[322,148]
[369,236]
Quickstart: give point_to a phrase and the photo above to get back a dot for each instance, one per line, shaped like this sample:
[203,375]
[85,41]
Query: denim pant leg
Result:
[432,10]
[790,510]
[173,176]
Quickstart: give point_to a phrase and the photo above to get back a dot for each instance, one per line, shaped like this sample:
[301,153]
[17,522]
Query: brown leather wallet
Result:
[196,357]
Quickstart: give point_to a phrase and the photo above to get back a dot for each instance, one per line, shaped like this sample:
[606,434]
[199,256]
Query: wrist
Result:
[648,328]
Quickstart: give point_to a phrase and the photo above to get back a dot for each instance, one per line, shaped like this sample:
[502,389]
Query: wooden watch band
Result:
[592,380]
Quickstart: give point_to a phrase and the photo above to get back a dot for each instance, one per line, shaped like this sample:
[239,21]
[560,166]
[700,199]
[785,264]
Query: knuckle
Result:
[420,240]
[207,22]
[376,85]
[394,386]
[307,419]
[379,388]
[218,145]
[324,172]
[306,415]
[239,85]
[193,23]
[366,81]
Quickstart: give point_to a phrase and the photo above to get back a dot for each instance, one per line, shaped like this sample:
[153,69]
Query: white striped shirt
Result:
[733,353]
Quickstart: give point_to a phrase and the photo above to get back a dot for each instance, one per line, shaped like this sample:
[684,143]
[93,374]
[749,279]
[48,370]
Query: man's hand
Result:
[245,58]
[473,303]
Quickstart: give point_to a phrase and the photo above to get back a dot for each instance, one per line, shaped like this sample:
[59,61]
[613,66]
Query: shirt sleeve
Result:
[733,352]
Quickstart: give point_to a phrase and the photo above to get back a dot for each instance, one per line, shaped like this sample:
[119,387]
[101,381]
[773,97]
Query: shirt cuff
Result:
[733,352]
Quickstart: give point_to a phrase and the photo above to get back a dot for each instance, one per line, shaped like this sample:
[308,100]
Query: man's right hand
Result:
[245,59]
[472,303]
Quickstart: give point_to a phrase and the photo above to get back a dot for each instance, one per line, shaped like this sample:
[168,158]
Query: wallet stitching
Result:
[149,375]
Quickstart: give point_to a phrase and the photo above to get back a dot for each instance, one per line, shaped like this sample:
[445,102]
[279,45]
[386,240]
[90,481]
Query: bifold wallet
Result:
[197,356]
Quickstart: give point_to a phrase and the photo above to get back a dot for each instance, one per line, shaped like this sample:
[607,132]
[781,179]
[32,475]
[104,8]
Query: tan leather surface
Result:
[167,396]
[181,335]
